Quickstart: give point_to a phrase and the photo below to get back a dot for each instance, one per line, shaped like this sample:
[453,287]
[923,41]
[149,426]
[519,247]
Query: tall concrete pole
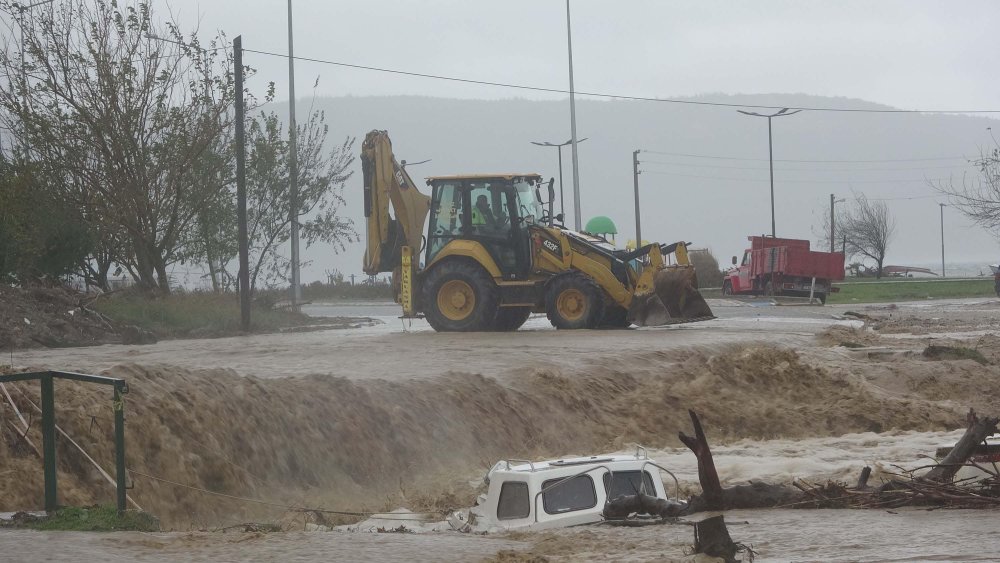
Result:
[832,236]
[942,238]
[572,119]
[635,182]
[770,158]
[562,200]
[293,167]
[770,150]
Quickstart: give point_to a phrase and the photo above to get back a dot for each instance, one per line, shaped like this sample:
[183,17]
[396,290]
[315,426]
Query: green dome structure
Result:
[601,225]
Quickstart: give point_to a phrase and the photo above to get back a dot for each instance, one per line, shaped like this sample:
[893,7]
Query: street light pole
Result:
[572,120]
[770,162]
[562,200]
[635,182]
[293,169]
[770,152]
[942,238]
[559,146]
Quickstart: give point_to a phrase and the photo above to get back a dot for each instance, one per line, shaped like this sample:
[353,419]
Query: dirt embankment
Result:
[50,317]
[374,444]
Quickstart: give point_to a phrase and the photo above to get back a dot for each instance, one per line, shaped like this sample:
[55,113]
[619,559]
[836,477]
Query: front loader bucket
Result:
[674,299]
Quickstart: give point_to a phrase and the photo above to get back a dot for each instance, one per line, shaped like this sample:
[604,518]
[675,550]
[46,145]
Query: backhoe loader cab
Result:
[492,254]
[494,211]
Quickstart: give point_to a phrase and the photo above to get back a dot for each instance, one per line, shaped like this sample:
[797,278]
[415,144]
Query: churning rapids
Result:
[376,417]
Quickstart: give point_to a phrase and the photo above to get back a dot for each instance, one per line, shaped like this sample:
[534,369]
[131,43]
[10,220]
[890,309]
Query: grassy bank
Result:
[87,519]
[869,291]
[317,291]
[195,314]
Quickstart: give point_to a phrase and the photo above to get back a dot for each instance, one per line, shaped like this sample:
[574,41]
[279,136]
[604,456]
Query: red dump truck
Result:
[784,266]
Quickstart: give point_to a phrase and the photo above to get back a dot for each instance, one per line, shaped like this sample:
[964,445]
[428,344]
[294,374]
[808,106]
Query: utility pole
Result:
[635,182]
[942,238]
[293,169]
[832,220]
[572,120]
[832,236]
[241,185]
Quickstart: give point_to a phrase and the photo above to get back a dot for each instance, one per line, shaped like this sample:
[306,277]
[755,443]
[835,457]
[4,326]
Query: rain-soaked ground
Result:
[776,535]
[408,351]
[394,348]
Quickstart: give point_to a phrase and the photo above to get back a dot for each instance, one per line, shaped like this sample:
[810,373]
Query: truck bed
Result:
[798,261]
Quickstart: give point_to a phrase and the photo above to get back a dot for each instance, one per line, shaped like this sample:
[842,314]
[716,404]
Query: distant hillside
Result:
[713,202]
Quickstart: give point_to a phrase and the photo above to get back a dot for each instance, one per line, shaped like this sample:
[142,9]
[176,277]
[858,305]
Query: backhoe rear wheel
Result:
[460,296]
[574,301]
[511,318]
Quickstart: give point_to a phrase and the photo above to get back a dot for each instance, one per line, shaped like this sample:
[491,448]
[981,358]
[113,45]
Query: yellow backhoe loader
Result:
[492,254]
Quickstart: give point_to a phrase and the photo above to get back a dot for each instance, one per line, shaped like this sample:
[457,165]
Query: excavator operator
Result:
[482,215]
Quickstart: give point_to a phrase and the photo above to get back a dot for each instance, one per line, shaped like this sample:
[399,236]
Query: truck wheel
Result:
[574,301]
[511,318]
[821,297]
[460,296]
[727,288]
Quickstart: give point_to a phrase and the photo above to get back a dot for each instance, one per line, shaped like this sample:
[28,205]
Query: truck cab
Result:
[566,492]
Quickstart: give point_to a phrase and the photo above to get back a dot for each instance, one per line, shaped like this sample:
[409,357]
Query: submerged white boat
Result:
[563,492]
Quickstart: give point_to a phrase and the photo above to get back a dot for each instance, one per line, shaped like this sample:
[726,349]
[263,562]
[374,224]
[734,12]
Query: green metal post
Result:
[49,441]
[119,405]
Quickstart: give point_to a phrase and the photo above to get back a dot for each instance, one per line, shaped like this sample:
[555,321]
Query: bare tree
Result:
[323,171]
[978,198]
[867,227]
[122,117]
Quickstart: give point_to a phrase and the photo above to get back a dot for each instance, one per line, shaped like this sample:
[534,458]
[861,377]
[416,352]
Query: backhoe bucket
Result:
[675,299]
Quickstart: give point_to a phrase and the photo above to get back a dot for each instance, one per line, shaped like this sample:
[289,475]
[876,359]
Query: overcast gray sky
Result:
[928,55]
[909,54]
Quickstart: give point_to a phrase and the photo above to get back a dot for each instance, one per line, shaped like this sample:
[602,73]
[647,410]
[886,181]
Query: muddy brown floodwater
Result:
[377,417]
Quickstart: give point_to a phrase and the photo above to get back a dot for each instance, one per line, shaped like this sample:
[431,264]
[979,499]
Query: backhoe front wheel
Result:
[459,297]
[574,301]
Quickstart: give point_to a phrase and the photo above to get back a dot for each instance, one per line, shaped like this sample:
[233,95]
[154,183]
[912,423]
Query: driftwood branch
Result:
[979,429]
[621,507]
[708,476]
[936,487]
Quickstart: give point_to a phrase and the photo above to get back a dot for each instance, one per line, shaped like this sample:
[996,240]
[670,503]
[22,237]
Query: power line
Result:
[600,94]
[848,182]
[716,157]
[691,165]
[659,172]
[936,196]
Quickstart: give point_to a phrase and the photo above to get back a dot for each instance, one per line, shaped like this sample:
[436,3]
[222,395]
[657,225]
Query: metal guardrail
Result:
[46,379]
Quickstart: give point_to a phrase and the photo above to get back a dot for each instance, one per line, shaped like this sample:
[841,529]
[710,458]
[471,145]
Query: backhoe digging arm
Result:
[385,182]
